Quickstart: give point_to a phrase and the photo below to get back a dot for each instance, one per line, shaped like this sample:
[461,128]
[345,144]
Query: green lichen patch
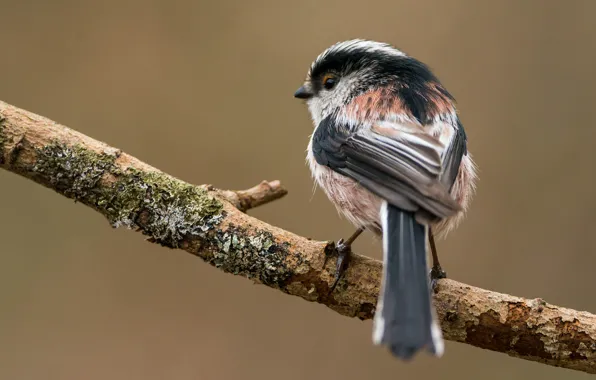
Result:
[255,254]
[166,209]
[74,171]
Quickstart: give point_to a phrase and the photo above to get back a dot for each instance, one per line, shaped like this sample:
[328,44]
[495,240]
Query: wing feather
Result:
[453,156]
[403,167]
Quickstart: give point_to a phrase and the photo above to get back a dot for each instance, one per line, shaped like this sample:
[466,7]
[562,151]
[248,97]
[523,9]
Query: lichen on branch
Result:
[165,209]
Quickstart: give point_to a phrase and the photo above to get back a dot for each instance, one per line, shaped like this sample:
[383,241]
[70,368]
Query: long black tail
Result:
[405,318]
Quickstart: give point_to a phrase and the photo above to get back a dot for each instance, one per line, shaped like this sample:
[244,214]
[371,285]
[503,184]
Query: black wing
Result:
[453,156]
[403,167]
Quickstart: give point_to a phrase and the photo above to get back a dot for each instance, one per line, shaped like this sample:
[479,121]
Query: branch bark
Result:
[212,224]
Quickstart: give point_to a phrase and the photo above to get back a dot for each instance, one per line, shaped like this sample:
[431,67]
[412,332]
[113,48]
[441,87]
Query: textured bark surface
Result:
[211,223]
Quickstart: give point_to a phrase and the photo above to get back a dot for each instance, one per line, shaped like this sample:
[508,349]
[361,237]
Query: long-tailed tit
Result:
[390,152]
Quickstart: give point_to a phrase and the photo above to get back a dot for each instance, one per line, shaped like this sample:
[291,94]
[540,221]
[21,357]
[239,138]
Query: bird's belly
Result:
[354,202]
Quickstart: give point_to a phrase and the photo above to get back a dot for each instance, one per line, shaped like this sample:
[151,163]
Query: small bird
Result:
[390,152]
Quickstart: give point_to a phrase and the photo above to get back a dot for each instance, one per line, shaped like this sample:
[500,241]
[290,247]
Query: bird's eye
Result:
[329,81]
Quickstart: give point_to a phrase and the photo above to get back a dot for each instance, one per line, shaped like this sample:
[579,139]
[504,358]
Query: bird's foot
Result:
[436,273]
[343,252]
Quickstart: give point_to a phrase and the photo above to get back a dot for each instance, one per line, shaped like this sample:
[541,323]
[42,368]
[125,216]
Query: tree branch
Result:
[211,224]
[258,195]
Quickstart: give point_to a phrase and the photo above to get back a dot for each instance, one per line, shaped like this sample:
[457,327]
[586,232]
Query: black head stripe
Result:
[412,81]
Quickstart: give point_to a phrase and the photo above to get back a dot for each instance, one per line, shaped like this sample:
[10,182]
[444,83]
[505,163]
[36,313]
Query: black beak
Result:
[303,93]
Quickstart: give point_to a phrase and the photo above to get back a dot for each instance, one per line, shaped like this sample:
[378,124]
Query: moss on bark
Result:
[162,207]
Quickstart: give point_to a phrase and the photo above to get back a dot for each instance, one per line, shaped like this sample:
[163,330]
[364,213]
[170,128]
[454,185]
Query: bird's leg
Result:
[436,272]
[343,250]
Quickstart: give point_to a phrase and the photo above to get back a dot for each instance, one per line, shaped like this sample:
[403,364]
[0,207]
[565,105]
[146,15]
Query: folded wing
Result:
[399,164]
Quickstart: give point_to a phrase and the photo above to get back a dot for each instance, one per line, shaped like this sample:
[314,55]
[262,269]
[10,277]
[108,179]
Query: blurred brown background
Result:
[204,91]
